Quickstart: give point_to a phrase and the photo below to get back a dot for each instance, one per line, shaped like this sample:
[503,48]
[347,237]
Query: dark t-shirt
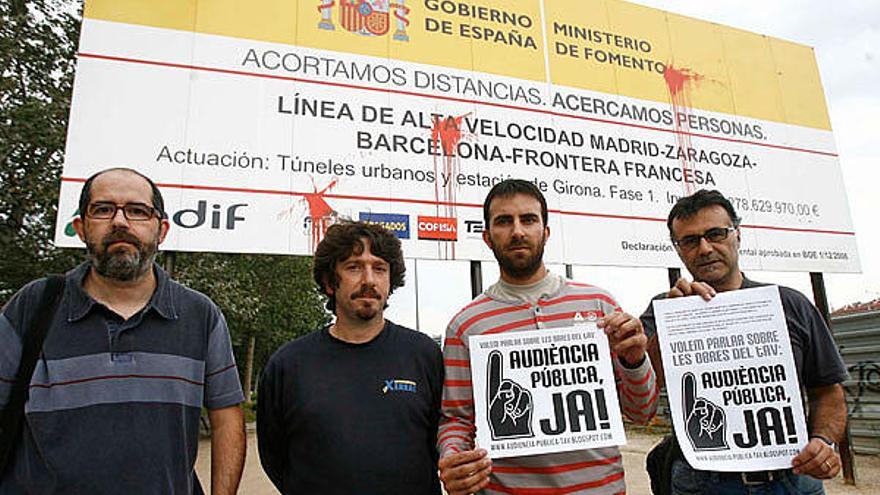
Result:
[815,354]
[341,418]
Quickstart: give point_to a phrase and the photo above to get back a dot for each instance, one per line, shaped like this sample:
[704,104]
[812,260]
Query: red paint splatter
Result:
[446,135]
[321,214]
[679,82]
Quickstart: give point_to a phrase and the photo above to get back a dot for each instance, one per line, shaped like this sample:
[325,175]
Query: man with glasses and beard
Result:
[352,408]
[530,297]
[129,360]
[704,229]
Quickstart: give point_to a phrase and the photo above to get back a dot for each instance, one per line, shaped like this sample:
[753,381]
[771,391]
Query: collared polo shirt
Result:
[114,404]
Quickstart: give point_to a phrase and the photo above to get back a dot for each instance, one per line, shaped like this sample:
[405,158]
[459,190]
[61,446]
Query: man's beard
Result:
[520,268]
[121,264]
[367,313]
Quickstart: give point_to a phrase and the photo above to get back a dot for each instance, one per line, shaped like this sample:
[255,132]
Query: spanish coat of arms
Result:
[366,17]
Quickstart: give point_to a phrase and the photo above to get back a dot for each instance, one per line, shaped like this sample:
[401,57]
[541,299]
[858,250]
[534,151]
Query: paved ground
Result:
[255,482]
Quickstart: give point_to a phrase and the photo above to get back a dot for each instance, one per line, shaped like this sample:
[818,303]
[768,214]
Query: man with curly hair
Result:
[353,407]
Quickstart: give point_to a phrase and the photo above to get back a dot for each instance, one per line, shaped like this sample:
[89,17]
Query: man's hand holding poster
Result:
[733,387]
[545,391]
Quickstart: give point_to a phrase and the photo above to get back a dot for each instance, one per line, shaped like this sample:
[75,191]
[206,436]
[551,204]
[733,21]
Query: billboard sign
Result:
[311,111]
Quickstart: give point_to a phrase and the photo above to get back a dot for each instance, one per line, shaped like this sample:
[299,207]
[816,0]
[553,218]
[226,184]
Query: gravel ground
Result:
[255,482]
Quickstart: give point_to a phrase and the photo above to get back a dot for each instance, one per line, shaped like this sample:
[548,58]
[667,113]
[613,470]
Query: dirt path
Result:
[255,482]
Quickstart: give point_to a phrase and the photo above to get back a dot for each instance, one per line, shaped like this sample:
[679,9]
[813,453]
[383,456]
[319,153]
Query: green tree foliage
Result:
[37,58]
[269,297]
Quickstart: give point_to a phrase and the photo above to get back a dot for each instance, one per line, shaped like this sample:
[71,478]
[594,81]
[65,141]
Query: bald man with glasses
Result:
[704,229]
[110,402]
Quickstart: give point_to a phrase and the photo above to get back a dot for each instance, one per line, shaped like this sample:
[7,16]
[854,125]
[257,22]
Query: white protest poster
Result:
[545,391]
[733,388]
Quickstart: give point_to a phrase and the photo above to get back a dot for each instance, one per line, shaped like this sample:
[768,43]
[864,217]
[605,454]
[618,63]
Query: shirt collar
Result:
[80,302]
[163,300]
[547,287]
[748,283]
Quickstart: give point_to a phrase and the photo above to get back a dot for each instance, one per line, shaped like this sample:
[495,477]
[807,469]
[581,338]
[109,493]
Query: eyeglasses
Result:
[135,212]
[714,235]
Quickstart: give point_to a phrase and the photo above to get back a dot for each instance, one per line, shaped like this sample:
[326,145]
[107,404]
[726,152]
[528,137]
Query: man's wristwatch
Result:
[824,439]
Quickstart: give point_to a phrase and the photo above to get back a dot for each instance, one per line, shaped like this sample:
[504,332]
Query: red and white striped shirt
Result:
[594,471]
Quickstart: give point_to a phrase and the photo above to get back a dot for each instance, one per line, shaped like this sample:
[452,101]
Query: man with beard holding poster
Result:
[704,228]
[352,408]
[129,360]
[530,297]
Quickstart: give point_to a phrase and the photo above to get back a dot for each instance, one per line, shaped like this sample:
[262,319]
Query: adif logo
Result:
[69,231]
[220,217]
[399,386]
[192,218]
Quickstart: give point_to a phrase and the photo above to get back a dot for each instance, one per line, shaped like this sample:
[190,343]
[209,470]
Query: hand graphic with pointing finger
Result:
[704,421]
[510,405]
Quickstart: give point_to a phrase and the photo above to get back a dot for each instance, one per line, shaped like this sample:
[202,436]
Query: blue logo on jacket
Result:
[399,386]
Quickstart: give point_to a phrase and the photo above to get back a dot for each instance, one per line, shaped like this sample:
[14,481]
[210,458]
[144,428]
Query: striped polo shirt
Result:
[595,471]
[114,404]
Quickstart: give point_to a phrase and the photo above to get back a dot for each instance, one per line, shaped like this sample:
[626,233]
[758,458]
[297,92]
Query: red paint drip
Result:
[321,214]
[446,133]
[445,136]
[679,82]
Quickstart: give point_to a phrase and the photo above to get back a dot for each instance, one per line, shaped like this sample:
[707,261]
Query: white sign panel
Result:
[733,388]
[544,391]
[265,121]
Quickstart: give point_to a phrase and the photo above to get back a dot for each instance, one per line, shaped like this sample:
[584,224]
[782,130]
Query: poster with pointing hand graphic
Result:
[545,391]
[733,387]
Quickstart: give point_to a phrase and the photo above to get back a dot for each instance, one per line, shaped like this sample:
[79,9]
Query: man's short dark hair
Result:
[509,187]
[688,206]
[85,196]
[345,239]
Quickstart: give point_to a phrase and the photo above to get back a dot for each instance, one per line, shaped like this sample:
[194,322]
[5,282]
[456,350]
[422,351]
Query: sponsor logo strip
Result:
[438,228]
[393,222]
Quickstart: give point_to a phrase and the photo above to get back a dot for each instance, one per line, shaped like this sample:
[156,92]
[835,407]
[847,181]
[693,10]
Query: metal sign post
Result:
[820,298]
[476,278]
